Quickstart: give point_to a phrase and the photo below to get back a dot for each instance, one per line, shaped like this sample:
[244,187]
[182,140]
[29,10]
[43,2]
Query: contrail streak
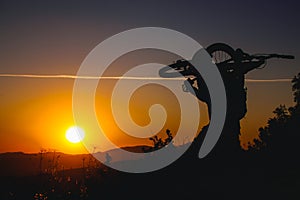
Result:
[268,80]
[59,76]
[87,77]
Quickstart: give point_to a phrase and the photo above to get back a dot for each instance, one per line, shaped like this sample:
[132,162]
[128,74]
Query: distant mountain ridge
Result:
[26,164]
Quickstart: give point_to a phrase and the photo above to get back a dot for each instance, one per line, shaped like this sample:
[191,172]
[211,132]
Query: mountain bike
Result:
[224,56]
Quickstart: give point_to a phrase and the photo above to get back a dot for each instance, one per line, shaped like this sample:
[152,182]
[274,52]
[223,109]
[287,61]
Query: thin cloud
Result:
[87,77]
[59,76]
[268,80]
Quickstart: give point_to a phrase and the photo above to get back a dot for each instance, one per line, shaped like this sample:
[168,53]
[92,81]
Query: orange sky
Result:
[36,112]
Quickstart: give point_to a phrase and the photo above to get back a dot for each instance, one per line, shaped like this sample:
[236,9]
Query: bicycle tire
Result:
[221,52]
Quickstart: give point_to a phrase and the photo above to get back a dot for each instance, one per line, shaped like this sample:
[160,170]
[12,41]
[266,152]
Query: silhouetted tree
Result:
[158,142]
[281,113]
[296,89]
[169,138]
[280,137]
[107,158]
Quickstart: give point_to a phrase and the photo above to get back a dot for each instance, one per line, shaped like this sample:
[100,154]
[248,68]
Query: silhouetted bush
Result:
[159,143]
[280,137]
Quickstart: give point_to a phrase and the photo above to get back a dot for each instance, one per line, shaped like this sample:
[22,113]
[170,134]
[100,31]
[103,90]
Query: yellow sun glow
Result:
[75,134]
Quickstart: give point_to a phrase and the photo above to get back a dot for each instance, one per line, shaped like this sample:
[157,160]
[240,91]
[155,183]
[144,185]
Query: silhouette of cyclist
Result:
[233,75]
[233,65]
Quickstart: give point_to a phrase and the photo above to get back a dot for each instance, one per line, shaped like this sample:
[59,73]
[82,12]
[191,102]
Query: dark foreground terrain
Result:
[247,176]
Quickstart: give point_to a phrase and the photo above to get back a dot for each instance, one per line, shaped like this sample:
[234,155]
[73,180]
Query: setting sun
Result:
[75,134]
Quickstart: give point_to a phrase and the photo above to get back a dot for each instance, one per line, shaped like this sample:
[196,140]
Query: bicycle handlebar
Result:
[287,56]
[267,56]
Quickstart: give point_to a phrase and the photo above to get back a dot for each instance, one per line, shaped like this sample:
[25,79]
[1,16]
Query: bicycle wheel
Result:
[221,53]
